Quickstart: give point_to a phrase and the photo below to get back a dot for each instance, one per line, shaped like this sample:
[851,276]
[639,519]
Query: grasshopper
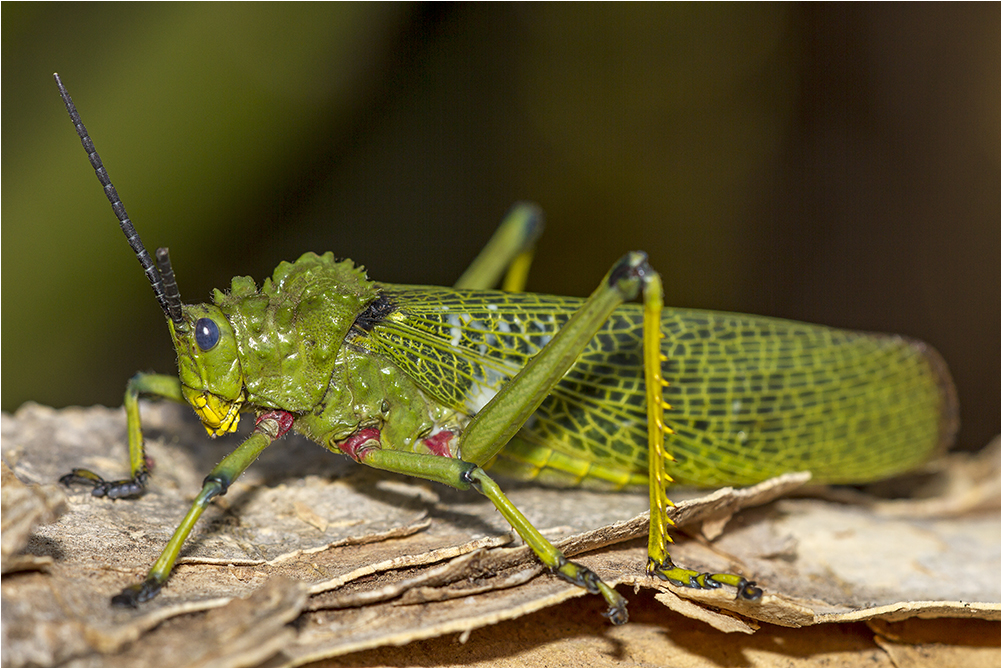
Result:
[447,383]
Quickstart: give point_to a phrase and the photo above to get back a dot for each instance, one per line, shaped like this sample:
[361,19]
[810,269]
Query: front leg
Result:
[154,385]
[270,426]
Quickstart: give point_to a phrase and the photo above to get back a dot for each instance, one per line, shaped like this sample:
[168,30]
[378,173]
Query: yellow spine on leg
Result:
[658,478]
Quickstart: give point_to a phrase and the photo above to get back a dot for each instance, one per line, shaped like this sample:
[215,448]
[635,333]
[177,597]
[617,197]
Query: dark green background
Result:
[837,164]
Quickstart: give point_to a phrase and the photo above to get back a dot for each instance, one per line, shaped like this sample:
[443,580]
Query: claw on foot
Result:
[585,578]
[748,590]
[134,595]
[111,489]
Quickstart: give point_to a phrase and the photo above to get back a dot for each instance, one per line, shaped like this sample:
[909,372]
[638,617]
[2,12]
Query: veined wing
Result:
[461,346]
[756,397]
[751,396]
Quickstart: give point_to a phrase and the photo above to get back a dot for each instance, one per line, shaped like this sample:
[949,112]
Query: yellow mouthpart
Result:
[219,416]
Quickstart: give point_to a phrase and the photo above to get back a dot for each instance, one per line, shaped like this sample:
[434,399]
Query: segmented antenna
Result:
[171,294]
[165,289]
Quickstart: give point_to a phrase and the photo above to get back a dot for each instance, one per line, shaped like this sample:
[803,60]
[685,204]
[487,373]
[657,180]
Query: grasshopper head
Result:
[208,364]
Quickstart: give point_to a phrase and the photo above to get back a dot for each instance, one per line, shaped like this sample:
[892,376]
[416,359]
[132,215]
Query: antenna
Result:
[165,288]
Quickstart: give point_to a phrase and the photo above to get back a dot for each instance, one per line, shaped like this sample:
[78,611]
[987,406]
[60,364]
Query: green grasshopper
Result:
[445,383]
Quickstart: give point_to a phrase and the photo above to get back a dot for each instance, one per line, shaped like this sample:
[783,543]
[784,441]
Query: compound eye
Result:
[206,334]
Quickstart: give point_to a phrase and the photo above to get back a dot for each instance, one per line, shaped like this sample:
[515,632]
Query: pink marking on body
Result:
[283,418]
[438,443]
[357,445]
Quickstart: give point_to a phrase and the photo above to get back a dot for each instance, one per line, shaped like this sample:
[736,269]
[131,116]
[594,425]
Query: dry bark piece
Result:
[23,508]
[413,560]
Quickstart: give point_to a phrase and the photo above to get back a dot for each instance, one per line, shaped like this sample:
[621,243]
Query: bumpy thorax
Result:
[274,347]
[288,333]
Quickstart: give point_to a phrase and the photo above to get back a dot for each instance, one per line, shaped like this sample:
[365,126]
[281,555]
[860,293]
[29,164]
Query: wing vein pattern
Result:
[751,396]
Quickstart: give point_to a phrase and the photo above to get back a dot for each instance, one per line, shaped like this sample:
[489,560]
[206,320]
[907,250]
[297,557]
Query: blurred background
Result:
[829,163]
